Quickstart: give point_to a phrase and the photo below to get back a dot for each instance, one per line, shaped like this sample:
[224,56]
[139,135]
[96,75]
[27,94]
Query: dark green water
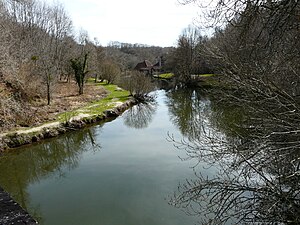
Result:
[118,173]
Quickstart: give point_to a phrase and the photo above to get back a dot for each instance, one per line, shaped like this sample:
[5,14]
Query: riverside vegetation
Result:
[114,100]
[45,63]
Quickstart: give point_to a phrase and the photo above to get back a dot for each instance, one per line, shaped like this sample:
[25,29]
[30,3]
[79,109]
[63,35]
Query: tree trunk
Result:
[80,89]
[48,93]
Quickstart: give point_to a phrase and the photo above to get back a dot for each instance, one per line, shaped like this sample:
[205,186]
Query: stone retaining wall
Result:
[11,213]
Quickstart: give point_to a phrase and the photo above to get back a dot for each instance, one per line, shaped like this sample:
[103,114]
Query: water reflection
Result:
[258,178]
[186,107]
[53,157]
[141,115]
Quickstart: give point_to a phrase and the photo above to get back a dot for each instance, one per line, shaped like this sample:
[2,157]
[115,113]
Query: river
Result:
[118,172]
[185,158]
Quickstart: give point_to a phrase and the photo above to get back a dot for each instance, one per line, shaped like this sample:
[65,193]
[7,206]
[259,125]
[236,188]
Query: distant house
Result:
[157,66]
[147,67]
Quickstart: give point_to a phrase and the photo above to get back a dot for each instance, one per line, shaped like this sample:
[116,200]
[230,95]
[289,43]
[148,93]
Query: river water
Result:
[120,172]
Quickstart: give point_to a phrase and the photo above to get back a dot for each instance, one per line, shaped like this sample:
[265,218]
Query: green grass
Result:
[116,94]
[206,75]
[166,75]
[211,80]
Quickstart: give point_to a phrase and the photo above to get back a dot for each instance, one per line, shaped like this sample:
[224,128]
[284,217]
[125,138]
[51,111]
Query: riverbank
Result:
[207,81]
[112,104]
[12,213]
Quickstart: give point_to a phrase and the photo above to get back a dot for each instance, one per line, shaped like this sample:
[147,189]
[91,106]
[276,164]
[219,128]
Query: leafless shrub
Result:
[110,71]
[138,84]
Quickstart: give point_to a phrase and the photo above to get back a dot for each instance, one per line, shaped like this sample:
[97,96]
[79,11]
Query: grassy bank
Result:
[115,101]
[115,97]
[166,75]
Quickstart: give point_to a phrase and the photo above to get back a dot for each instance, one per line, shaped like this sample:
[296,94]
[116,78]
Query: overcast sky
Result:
[152,22]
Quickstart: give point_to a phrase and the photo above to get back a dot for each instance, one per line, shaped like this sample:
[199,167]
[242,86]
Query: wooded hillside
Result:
[38,44]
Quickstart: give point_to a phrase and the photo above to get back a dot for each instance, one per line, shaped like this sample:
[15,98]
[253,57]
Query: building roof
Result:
[145,65]
[157,65]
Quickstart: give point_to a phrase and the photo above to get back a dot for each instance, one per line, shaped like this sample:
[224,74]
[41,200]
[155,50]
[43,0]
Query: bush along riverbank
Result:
[111,106]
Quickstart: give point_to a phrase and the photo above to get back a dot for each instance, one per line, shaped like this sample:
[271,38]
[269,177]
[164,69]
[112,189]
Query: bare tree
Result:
[139,85]
[58,29]
[110,71]
[242,176]
[40,30]
[187,58]
[97,58]
[256,51]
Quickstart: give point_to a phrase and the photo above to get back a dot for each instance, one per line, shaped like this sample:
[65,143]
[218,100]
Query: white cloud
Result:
[156,22]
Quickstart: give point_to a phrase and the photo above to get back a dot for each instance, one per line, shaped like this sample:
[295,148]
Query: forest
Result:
[41,50]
